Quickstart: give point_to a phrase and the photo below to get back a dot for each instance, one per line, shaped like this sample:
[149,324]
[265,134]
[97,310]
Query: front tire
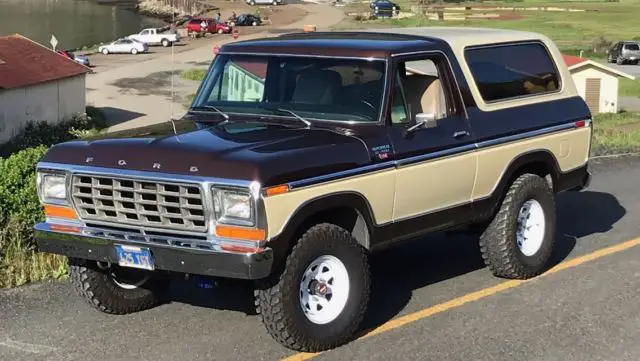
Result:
[254,23]
[105,51]
[318,301]
[165,42]
[116,290]
[134,51]
[518,242]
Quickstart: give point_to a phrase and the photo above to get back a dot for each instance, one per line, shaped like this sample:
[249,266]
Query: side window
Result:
[510,71]
[632,47]
[145,32]
[398,111]
[423,91]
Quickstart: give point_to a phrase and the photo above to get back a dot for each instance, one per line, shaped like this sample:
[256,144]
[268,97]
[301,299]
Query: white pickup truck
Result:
[152,36]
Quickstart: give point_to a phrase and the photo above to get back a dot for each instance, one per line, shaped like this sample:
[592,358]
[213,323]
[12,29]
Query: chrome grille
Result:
[139,202]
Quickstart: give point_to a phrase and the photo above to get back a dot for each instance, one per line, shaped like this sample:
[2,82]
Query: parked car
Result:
[82,59]
[294,185]
[264,2]
[152,36]
[124,46]
[212,26]
[384,8]
[245,20]
[624,52]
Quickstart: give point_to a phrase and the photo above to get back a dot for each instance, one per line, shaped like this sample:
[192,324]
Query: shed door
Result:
[592,95]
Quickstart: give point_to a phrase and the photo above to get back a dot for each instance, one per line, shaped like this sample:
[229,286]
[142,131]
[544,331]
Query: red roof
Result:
[571,60]
[256,68]
[24,62]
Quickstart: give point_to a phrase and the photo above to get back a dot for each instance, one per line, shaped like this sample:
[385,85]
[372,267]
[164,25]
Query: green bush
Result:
[18,197]
[20,208]
[42,133]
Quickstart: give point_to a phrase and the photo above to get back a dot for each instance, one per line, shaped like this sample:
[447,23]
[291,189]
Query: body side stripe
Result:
[430,156]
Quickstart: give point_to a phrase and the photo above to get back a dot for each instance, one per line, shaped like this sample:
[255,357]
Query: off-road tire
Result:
[98,289]
[277,298]
[498,243]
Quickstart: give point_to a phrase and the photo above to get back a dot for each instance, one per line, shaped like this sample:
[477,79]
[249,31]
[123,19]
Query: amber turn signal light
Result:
[272,191]
[241,233]
[51,211]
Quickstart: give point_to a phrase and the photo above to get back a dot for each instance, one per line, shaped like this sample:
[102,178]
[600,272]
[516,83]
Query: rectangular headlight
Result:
[233,206]
[52,188]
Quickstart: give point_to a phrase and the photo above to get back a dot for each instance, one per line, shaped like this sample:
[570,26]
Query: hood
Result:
[266,152]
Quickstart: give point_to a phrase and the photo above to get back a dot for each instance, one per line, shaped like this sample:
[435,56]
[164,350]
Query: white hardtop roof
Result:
[466,36]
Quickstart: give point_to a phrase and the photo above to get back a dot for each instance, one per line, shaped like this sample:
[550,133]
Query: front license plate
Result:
[134,257]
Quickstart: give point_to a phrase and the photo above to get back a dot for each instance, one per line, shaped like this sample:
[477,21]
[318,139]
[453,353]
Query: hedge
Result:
[19,205]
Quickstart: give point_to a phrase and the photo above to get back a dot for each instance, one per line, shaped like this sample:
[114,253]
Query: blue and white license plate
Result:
[134,257]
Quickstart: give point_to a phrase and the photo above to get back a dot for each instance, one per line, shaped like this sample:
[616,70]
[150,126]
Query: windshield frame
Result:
[380,119]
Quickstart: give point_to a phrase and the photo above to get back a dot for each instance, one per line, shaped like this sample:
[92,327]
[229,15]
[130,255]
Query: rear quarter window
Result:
[512,71]
[632,47]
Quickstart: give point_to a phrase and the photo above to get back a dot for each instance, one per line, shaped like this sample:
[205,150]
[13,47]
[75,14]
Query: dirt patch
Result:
[509,16]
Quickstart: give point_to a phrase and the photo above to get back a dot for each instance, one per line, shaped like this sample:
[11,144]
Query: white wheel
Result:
[134,51]
[530,228]
[128,279]
[220,31]
[324,289]
[165,42]
[105,51]
[254,23]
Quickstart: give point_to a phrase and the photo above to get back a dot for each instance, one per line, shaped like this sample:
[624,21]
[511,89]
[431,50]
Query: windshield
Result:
[315,88]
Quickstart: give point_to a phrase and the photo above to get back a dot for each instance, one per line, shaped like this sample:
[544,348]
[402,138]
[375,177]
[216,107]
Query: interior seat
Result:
[316,86]
[425,94]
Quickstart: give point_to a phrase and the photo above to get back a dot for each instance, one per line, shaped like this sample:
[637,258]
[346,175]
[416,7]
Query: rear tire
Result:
[312,309]
[518,242]
[116,290]
[254,23]
[635,62]
[165,42]
[105,51]
[134,51]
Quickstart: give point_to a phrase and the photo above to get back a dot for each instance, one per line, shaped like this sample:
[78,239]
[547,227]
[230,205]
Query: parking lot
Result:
[433,299]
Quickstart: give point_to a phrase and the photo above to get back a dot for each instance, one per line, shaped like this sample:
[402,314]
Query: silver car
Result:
[265,2]
[624,52]
[131,46]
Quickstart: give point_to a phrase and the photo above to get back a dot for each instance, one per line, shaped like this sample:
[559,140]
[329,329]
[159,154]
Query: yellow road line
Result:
[477,295]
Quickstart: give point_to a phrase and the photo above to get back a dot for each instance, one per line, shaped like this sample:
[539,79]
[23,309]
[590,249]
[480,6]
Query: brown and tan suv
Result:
[302,154]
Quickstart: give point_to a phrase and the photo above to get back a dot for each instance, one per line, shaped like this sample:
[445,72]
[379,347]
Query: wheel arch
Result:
[348,209]
[541,162]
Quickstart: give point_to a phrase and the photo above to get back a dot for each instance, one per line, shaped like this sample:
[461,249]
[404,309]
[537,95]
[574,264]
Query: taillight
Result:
[582,123]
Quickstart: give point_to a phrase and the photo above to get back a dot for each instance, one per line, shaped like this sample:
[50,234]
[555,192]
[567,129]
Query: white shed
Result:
[597,83]
[37,84]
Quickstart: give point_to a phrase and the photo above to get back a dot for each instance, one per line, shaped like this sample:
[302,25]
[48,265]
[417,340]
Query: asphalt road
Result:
[586,310]
[633,70]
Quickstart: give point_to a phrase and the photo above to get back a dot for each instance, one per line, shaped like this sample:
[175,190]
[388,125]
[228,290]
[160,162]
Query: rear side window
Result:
[632,47]
[511,71]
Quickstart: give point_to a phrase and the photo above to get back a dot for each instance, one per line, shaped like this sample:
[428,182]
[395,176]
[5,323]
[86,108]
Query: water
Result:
[75,23]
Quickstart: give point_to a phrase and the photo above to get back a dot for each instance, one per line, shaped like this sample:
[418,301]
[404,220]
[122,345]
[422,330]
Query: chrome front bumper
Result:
[98,245]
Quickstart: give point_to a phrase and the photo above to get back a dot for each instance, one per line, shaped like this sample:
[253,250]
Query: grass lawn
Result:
[628,88]
[572,31]
[616,133]
[196,74]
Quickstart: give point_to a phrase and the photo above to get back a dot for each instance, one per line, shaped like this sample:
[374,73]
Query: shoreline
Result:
[150,9]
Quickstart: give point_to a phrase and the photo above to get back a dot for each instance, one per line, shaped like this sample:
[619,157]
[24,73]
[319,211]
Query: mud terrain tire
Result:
[502,250]
[98,287]
[280,301]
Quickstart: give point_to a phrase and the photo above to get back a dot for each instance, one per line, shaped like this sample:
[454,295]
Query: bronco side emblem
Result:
[122,162]
[193,169]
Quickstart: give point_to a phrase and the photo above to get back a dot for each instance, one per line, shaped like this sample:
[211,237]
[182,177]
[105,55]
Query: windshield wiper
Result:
[225,115]
[283,110]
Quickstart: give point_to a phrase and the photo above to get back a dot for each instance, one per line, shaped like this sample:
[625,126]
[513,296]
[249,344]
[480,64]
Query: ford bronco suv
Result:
[302,154]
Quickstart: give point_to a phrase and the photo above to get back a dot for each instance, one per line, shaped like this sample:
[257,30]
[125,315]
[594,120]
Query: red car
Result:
[212,26]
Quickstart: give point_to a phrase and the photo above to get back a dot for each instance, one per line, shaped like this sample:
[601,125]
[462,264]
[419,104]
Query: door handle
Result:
[460,134]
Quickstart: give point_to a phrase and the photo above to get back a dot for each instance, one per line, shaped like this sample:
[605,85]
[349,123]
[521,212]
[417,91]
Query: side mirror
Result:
[427,120]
